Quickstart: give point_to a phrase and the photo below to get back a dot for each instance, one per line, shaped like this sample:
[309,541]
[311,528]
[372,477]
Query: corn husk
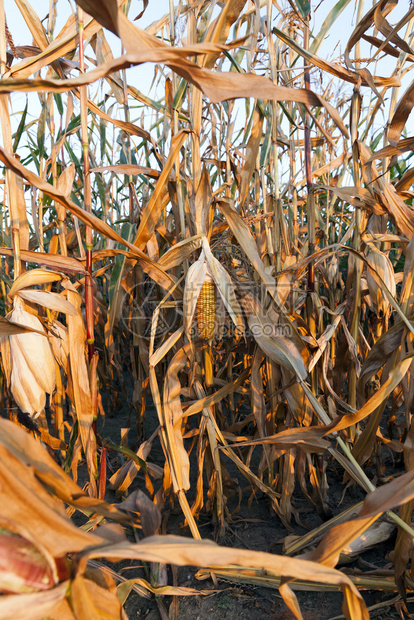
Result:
[367,297]
[376,534]
[32,365]
[27,393]
[332,270]
[208,269]
[34,347]
[382,265]
[59,341]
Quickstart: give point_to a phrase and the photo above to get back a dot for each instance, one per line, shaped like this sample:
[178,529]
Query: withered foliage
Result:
[238,247]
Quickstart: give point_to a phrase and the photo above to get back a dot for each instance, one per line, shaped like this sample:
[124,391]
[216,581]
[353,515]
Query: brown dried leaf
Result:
[31,453]
[185,552]
[54,261]
[389,151]
[29,509]
[215,398]
[252,149]
[105,12]
[218,86]
[90,601]
[33,277]
[172,419]
[395,493]
[279,349]
[333,68]
[395,377]
[180,251]
[8,328]
[388,31]
[129,169]
[220,28]
[82,401]
[97,224]
[202,204]
[53,301]
[152,212]
[400,116]
[65,180]
[307,439]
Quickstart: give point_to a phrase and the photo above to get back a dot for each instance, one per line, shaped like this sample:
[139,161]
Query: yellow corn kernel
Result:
[206,310]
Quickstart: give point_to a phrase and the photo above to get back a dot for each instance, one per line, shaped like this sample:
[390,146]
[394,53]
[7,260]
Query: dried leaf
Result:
[106,12]
[32,278]
[185,552]
[53,301]
[88,218]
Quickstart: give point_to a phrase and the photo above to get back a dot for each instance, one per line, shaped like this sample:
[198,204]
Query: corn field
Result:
[207,302]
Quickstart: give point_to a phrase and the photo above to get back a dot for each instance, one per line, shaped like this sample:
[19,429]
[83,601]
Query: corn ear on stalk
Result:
[27,393]
[32,367]
[205,279]
[382,265]
[206,309]
[59,342]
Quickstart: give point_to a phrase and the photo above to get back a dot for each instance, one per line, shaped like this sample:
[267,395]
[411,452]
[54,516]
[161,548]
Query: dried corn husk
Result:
[284,284]
[333,270]
[382,265]
[59,341]
[376,534]
[32,365]
[367,298]
[208,268]
[27,393]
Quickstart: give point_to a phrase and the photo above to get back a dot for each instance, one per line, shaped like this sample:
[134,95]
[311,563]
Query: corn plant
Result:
[235,244]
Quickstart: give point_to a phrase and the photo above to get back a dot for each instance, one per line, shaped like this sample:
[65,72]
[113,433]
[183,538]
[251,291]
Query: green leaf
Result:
[179,95]
[127,452]
[102,135]
[58,100]
[331,17]
[234,63]
[41,131]
[304,7]
[20,128]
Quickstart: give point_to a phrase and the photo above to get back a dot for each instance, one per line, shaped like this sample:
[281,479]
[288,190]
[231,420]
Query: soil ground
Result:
[256,528]
[253,526]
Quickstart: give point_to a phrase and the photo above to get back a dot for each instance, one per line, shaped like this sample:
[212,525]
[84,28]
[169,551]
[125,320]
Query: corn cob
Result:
[206,309]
